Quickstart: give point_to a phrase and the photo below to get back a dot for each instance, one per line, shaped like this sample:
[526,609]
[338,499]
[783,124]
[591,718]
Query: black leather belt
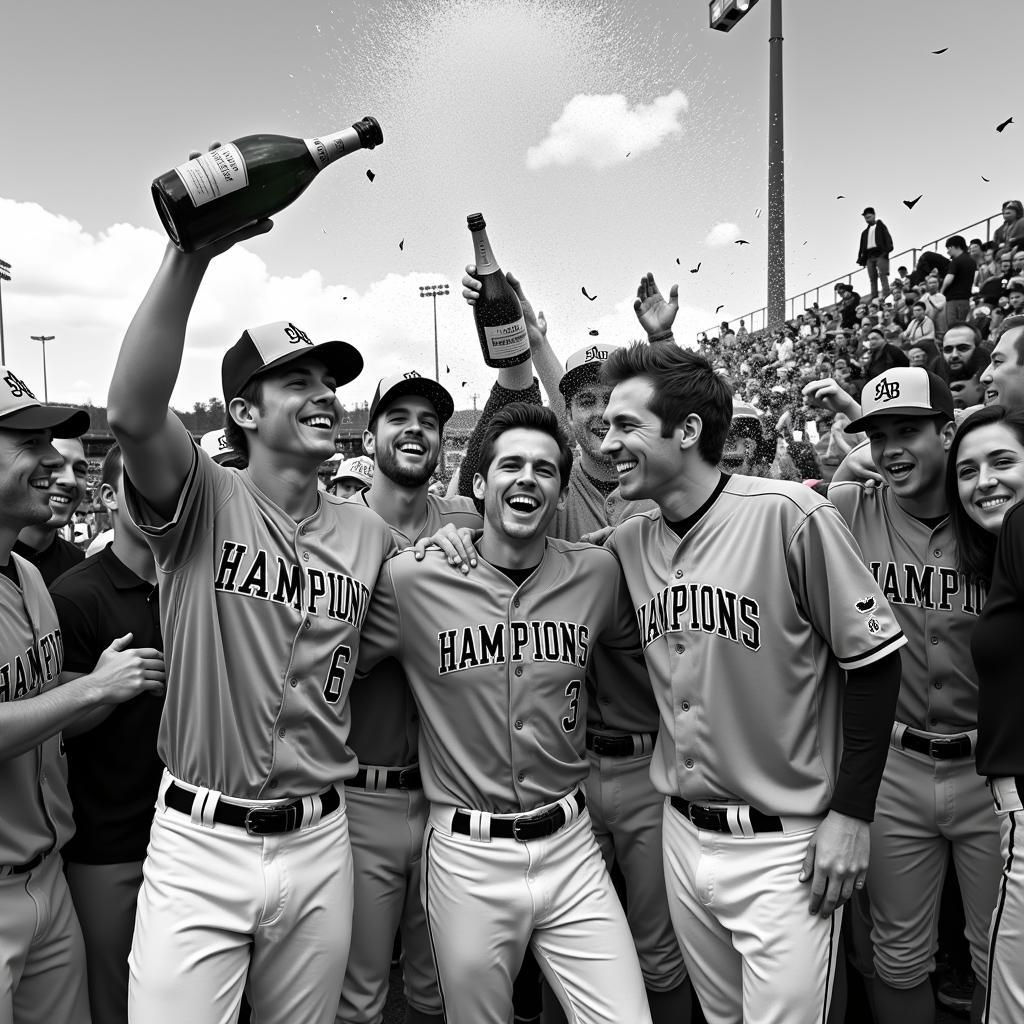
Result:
[257,821]
[615,746]
[394,778]
[22,869]
[715,819]
[939,749]
[524,827]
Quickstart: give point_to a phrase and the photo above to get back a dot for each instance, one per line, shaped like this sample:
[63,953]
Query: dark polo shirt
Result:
[113,770]
[52,561]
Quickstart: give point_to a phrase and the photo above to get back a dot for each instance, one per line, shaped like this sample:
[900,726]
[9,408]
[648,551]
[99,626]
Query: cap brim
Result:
[579,376]
[63,422]
[342,360]
[436,394]
[857,425]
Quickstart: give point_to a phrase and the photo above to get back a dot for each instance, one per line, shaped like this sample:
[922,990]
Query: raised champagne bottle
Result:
[205,199]
[498,313]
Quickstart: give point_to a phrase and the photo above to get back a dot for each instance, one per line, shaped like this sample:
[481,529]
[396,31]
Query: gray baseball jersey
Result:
[261,618]
[34,804]
[384,722]
[498,670]
[936,607]
[747,624]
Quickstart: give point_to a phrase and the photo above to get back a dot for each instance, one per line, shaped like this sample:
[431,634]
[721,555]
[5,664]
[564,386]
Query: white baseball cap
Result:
[215,444]
[360,468]
[21,410]
[583,366]
[903,391]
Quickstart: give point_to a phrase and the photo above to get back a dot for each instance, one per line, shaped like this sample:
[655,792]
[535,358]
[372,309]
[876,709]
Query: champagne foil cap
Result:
[368,130]
[476,221]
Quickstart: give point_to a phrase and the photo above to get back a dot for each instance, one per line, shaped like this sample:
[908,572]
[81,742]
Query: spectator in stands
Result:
[849,300]
[929,263]
[1015,293]
[1011,231]
[921,325]
[935,304]
[916,355]
[899,302]
[963,352]
[881,356]
[959,280]
[1018,262]
[966,393]
[988,266]
[742,332]
[875,246]
[1003,378]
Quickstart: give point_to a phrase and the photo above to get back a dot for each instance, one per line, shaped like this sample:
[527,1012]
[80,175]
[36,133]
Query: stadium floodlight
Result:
[725,13]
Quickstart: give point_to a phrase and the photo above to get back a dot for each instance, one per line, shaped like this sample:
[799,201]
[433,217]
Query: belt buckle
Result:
[525,821]
[710,817]
[406,776]
[259,821]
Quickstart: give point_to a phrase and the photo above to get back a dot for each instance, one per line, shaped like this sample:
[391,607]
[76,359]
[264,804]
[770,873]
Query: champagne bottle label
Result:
[326,149]
[214,174]
[507,341]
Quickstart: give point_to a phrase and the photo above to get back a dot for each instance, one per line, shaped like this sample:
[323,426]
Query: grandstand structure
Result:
[757,319]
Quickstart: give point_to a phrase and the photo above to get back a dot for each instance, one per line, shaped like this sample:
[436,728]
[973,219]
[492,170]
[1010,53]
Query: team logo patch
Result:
[410,375]
[296,336]
[594,352]
[19,389]
[886,391]
[873,625]
[865,605]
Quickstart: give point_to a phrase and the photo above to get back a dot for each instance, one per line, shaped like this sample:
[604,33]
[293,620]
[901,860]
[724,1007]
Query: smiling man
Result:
[264,584]
[42,544]
[1003,378]
[497,661]
[753,606]
[931,801]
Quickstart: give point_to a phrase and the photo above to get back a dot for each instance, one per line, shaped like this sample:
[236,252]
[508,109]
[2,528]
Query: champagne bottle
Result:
[498,313]
[205,199]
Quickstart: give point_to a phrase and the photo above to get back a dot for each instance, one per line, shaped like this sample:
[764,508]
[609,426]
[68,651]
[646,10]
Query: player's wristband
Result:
[661,336]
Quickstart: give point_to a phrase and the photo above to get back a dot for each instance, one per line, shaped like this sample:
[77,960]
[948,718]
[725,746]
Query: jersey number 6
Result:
[572,691]
[336,673]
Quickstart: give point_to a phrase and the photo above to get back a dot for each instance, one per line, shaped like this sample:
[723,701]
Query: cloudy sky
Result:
[600,140]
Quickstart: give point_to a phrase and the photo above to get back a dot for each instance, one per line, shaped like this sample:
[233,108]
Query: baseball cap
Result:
[21,410]
[744,411]
[360,468]
[903,391]
[1016,285]
[272,345]
[411,383]
[867,210]
[583,367]
[215,444]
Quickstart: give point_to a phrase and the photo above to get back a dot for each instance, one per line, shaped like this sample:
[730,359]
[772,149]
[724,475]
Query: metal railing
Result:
[757,320]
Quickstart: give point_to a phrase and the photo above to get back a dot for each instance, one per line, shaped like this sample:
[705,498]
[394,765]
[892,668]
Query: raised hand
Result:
[656,316]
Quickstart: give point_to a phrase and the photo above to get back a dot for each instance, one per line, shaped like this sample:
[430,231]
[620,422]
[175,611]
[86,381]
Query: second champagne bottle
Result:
[498,313]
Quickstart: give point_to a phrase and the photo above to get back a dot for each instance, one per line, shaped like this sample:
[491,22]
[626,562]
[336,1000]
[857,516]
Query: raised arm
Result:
[656,315]
[156,446]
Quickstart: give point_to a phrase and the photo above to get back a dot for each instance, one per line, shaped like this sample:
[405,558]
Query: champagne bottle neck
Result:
[325,149]
[483,254]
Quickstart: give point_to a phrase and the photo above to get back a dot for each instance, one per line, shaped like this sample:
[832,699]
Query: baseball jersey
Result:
[747,624]
[935,605]
[498,670]
[384,721]
[261,618]
[587,508]
[35,808]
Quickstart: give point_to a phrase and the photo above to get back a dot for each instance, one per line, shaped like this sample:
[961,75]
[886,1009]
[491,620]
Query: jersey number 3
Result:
[336,673]
[572,691]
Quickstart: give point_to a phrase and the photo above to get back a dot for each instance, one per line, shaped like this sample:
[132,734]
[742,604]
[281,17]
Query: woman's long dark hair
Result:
[976,547]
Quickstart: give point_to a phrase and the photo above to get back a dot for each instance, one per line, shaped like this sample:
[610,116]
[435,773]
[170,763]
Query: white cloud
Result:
[601,130]
[722,234]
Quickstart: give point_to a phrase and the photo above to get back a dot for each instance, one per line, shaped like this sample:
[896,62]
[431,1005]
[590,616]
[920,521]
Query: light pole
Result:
[724,15]
[431,291]
[44,338]
[5,275]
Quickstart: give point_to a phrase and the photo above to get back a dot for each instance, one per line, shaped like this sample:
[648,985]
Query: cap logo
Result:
[595,353]
[19,389]
[410,375]
[886,391]
[296,336]
[222,443]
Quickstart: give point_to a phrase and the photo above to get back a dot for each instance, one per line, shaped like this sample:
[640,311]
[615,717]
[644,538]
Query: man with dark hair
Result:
[752,602]
[113,768]
[873,253]
[928,263]
[958,281]
[497,661]
[920,327]
[42,545]
[387,811]
[42,957]
[963,352]
[1003,378]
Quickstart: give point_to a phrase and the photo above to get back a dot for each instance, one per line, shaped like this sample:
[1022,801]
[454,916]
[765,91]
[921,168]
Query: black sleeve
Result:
[498,399]
[869,707]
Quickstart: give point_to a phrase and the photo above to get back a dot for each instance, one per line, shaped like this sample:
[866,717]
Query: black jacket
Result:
[883,243]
